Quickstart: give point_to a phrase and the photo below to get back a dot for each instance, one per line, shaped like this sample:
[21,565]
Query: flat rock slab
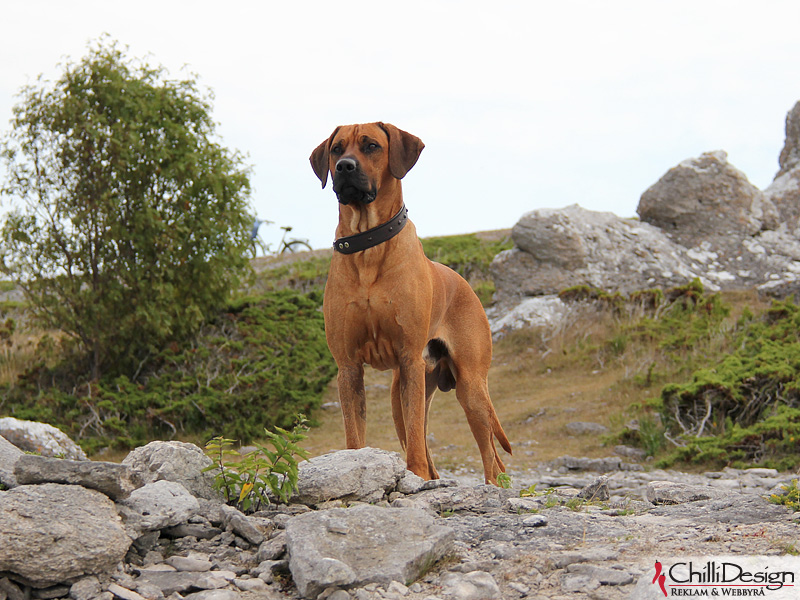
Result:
[735,508]
[364,544]
[668,492]
[115,481]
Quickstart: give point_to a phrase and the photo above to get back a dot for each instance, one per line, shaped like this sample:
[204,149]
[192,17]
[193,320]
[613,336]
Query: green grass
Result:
[468,255]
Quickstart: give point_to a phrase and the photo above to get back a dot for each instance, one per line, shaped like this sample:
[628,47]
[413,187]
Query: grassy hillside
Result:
[612,362]
[656,368]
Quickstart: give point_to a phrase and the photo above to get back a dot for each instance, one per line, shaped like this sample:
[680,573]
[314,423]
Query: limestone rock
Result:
[667,492]
[41,438]
[597,491]
[9,454]
[363,544]
[213,595]
[410,483]
[459,498]
[179,462]
[242,525]
[542,311]
[630,452]
[115,481]
[706,197]
[366,475]
[614,254]
[54,534]
[601,465]
[586,428]
[170,582]
[552,237]
[790,155]
[157,506]
[730,507]
[86,588]
[784,191]
[476,585]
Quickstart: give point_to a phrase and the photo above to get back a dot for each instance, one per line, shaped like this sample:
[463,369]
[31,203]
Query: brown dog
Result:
[388,306]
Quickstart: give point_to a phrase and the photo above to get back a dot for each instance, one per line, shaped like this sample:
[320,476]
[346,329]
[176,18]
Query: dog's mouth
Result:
[348,191]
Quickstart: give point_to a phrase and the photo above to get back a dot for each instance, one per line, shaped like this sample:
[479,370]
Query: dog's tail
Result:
[498,432]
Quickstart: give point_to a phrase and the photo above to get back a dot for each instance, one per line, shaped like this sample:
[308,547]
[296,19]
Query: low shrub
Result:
[255,366]
[745,409]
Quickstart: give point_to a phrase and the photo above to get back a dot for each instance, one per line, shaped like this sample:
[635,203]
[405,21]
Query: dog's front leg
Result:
[412,393]
[353,401]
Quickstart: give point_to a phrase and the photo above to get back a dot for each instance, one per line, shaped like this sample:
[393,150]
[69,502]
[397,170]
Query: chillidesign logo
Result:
[660,578]
[729,576]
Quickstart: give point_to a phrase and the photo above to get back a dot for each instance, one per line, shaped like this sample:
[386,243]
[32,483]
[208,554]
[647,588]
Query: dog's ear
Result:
[319,158]
[404,150]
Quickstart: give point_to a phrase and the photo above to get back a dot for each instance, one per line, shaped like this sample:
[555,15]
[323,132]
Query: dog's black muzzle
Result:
[350,183]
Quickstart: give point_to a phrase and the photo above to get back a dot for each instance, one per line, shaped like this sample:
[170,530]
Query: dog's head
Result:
[361,157]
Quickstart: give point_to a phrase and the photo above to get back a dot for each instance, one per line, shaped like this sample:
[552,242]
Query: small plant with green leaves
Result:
[531,492]
[575,504]
[504,481]
[790,498]
[247,480]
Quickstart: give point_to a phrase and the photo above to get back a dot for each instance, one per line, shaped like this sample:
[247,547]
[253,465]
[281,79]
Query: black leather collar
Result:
[373,237]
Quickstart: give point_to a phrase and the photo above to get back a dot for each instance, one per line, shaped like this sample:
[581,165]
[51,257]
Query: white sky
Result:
[521,105]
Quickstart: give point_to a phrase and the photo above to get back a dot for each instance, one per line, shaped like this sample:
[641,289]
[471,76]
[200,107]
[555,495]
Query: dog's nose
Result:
[346,165]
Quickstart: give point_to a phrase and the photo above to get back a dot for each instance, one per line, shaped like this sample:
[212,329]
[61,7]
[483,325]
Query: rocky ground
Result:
[362,527]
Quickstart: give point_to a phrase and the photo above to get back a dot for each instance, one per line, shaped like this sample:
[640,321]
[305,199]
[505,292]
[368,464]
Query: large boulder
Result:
[179,462]
[704,198]
[559,248]
[41,438]
[364,544]
[784,191]
[790,155]
[54,533]
[703,219]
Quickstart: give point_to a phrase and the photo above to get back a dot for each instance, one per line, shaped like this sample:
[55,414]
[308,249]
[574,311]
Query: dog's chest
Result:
[374,331]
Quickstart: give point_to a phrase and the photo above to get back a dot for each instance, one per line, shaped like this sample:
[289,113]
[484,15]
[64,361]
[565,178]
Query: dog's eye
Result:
[336,149]
[372,146]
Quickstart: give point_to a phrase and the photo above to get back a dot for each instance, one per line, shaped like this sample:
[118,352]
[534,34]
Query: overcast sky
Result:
[521,105]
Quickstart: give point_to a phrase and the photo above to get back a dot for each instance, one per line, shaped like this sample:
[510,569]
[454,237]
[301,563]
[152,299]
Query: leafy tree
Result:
[129,222]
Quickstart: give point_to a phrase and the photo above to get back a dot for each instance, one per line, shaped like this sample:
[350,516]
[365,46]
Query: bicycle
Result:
[286,246]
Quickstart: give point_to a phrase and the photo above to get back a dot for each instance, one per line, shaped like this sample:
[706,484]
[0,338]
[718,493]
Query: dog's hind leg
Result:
[473,395]
[431,383]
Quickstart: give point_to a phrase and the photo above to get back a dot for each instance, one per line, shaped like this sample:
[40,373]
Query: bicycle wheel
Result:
[295,246]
